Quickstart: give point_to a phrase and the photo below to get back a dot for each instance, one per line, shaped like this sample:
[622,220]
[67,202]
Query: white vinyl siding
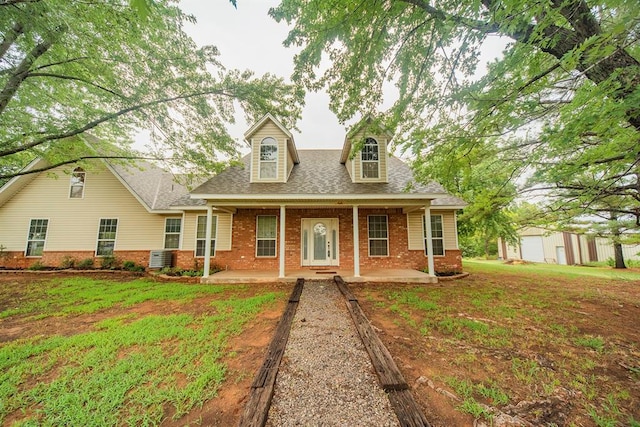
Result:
[269,130]
[378,230]
[201,235]
[266,235]
[107,233]
[172,232]
[355,166]
[37,237]
[46,197]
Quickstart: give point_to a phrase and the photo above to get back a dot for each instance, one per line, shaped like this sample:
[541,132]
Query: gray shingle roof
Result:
[157,188]
[321,173]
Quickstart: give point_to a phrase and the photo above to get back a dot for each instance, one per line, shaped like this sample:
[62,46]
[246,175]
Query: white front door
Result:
[320,241]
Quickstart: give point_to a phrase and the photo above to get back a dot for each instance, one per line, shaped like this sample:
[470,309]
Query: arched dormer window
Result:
[370,159]
[269,158]
[76,187]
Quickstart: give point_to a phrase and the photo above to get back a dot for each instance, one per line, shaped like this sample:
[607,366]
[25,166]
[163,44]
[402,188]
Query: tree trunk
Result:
[617,246]
[619,256]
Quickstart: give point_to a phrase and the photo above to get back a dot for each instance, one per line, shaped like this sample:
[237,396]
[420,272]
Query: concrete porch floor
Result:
[373,275]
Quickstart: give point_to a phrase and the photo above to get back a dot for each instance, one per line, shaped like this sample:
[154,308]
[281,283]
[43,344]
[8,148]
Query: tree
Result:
[68,69]
[563,99]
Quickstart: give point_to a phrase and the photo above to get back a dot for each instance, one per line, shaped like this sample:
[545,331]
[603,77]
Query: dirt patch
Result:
[551,368]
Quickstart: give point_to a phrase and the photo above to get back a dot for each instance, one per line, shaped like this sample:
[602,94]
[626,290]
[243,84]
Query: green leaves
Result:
[115,68]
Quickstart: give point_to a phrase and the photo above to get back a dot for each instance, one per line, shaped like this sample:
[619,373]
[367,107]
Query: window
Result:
[437,235]
[76,189]
[37,237]
[172,228]
[107,236]
[201,235]
[266,236]
[269,158]
[370,160]
[378,235]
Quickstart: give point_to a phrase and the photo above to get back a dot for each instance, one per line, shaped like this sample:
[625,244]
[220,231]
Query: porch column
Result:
[427,224]
[207,243]
[356,243]
[282,240]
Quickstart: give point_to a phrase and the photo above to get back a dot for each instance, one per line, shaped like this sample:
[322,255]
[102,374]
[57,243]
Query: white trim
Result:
[179,234]
[26,247]
[313,197]
[84,182]
[356,243]
[369,237]
[430,263]
[257,125]
[275,255]
[283,216]
[206,268]
[251,174]
[362,161]
[115,239]
[277,160]
[333,224]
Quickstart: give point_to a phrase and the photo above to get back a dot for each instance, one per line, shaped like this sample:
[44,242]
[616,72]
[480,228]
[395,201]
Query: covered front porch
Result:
[307,237]
[366,275]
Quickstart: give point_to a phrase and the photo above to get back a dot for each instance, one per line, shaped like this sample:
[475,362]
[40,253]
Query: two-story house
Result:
[282,209]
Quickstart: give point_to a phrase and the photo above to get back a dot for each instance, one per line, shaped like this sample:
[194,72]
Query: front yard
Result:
[554,345]
[96,352]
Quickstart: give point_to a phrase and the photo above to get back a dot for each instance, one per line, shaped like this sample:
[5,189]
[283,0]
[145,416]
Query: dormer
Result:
[369,164]
[273,151]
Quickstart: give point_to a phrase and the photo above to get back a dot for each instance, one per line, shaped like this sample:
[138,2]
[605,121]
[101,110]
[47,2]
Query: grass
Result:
[82,295]
[127,369]
[552,270]
[513,333]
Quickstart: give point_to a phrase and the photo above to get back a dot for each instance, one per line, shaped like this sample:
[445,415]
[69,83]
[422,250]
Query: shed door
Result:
[532,248]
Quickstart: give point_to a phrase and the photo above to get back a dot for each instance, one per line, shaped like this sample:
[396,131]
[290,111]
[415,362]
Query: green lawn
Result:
[127,368]
[551,269]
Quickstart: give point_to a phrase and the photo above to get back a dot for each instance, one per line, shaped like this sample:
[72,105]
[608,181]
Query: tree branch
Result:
[10,37]
[106,118]
[75,160]
[60,76]
[20,73]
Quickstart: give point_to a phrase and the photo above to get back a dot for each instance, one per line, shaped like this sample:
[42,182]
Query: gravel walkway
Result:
[326,377]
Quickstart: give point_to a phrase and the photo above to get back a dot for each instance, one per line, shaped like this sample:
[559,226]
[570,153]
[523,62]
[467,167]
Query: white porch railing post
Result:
[427,224]
[356,243]
[207,243]
[281,274]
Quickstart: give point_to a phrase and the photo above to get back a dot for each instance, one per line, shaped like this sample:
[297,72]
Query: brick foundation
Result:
[17,260]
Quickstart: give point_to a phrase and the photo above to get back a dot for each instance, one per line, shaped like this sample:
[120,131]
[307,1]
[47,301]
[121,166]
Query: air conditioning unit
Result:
[160,259]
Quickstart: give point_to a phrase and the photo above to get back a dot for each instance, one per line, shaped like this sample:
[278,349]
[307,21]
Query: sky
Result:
[248,38]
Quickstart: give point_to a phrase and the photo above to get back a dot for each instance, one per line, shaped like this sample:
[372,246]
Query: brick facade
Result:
[242,255]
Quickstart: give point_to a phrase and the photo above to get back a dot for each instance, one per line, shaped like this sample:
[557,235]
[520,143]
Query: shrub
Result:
[68,262]
[36,266]
[132,266]
[109,262]
[85,264]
